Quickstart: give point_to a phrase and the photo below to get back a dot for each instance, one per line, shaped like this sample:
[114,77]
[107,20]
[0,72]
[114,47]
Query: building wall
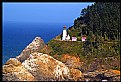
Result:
[64,34]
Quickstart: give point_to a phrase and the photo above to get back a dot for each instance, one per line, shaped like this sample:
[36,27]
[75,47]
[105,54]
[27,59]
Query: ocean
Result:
[17,35]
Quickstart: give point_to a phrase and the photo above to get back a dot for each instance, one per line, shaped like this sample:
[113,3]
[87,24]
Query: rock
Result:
[35,46]
[75,74]
[10,64]
[113,75]
[15,71]
[33,65]
[71,61]
[116,72]
[45,67]
[99,75]
[39,67]
[13,61]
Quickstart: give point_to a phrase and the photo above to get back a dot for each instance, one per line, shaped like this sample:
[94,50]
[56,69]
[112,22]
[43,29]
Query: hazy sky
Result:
[42,12]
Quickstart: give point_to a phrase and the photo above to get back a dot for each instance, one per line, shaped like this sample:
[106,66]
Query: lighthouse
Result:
[64,35]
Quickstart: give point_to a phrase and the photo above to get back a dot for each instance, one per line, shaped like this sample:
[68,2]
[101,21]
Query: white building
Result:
[83,38]
[64,35]
[74,39]
[68,37]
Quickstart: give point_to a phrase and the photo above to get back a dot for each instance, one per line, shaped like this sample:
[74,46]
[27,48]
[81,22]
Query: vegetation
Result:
[63,47]
[101,19]
[100,23]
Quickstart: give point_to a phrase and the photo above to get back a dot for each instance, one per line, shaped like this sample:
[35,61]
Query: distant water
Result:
[16,36]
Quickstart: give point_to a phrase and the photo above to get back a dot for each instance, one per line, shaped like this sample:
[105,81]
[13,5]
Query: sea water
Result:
[17,35]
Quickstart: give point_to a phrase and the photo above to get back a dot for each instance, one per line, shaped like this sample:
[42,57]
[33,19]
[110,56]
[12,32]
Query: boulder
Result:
[39,67]
[71,61]
[35,46]
[45,68]
[13,70]
[100,75]
[75,74]
[33,65]
[116,72]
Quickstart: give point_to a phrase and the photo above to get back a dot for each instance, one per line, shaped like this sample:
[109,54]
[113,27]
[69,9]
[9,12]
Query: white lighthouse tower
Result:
[64,35]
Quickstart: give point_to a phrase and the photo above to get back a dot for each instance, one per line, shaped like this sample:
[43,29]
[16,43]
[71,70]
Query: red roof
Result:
[64,26]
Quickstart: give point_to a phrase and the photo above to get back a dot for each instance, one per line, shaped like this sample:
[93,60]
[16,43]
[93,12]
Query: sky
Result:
[44,12]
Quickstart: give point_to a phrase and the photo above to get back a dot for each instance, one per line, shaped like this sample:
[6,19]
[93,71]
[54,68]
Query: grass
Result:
[87,52]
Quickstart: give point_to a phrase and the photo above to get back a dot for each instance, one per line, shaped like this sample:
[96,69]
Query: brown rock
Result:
[15,71]
[10,64]
[39,67]
[45,67]
[75,74]
[71,61]
[100,75]
[31,65]
[116,72]
[13,61]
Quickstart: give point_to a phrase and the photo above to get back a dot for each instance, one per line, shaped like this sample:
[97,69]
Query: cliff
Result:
[91,61]
[32,65]
[37,45]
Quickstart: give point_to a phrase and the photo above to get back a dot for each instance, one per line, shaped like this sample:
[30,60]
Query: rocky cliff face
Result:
[13,70]
[45,67]
[34,65]
[38,67]
[35,46]
[31,65]
[71,61]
